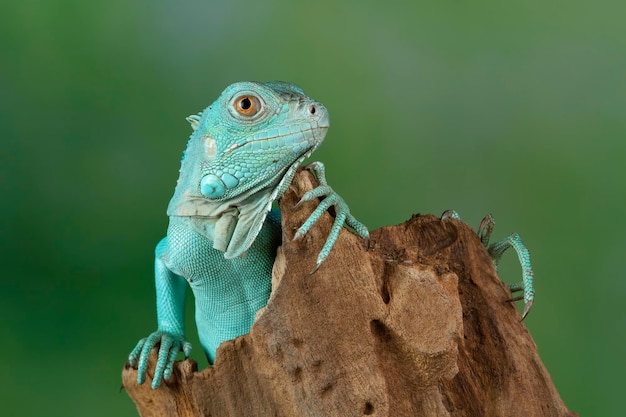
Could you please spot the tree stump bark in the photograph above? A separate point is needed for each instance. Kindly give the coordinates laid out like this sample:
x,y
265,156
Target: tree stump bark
x,y
416,324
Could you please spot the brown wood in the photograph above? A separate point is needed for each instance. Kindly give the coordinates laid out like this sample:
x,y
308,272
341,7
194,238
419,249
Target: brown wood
x,y
416,325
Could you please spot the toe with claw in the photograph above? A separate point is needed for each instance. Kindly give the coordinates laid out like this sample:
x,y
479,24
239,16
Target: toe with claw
x,y
330,199
169,345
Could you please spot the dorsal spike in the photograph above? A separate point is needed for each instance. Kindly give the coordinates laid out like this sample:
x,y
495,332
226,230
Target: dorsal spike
x,y
194,120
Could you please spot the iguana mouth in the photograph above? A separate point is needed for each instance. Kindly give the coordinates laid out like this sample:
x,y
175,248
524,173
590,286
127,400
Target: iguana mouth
x,y
284,137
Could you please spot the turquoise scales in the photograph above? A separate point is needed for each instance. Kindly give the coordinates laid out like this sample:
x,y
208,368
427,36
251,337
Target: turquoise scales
x,y
241,157
223,233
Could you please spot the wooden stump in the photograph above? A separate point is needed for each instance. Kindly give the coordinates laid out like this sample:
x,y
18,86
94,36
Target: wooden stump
x,y
418,324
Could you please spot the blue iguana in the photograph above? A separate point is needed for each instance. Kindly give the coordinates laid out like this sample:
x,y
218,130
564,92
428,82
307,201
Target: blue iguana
x,y
223,233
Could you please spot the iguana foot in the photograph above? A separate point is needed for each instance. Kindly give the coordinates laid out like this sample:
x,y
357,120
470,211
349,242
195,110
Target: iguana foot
x,y
331,199
497,249
169,347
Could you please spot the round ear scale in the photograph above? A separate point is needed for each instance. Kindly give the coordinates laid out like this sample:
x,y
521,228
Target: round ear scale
x,y
211,186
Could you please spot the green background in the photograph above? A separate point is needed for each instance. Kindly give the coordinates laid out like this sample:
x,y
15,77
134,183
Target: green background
x,y
515,108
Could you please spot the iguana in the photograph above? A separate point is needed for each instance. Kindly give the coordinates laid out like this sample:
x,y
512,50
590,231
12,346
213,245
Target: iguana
x,y
223,233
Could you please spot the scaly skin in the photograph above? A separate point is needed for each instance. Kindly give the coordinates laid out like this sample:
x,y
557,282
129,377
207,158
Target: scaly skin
x,y
223,233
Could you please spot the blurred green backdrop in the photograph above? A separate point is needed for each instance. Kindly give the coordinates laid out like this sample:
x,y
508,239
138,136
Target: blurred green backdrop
x,y
514,108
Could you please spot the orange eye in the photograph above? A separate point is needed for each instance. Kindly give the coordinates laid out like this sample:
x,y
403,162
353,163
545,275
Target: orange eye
x,y
247,105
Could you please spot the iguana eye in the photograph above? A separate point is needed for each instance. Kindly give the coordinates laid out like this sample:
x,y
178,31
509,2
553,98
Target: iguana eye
x,y
247,105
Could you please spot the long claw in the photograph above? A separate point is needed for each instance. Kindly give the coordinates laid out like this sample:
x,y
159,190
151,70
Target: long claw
x,y
321,191
527,307
298,234
485,229
315,268
450,214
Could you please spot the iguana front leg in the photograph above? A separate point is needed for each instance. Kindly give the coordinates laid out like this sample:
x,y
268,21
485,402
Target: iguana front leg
x,y
331,199
497,249
170,334
241,157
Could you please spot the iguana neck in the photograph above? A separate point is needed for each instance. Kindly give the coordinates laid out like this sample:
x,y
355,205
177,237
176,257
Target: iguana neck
x,y
231,224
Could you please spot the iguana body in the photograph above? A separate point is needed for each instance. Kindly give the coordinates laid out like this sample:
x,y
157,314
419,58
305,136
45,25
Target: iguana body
x,y
223,233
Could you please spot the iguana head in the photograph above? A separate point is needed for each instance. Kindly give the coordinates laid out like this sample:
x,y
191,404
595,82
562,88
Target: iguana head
x,y
245,147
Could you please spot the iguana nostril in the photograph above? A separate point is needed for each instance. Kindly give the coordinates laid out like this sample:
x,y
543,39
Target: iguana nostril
x,y
312,110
